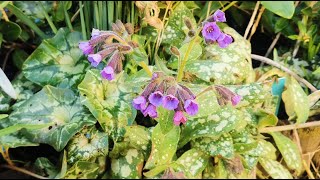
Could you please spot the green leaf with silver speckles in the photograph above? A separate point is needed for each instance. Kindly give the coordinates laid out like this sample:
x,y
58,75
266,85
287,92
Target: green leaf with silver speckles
x,y
164,146
139,138
222,146
57,61
165,119
289,151
87,144
176,30
274,169
269,151
33,9
295,100
128,166
214,125
61,107
208,172
109,101
82,170
191,163
231,65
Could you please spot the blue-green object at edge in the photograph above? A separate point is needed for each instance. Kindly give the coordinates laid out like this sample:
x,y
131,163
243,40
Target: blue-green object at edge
x,y
277,89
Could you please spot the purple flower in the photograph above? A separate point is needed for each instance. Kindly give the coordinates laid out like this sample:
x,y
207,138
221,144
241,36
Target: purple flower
x,y
224,40
170,102
107,73
236,99
139,103
86,48
95,33
211,31
94,59
219,16
191,107
151,111
179,118
155,98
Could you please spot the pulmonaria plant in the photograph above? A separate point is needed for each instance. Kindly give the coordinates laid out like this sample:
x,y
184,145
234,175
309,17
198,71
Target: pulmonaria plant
x,y
102,45
212,33
225,96
165,91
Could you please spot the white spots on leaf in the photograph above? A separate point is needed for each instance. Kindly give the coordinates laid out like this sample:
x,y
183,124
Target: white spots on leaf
x,y
221,125
125,171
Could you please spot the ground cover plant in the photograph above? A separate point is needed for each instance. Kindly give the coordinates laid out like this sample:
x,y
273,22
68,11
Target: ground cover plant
x,y
159,89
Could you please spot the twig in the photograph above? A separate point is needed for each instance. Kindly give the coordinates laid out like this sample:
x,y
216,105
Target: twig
x,y
283,68
254,27
289,127
251,20
315,169
229,5
76,14
274,42
6,59
24,171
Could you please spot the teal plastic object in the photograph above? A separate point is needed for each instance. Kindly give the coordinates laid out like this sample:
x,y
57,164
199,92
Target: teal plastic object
x,y
277,89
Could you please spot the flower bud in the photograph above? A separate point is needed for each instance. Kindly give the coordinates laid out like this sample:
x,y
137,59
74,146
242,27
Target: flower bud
x,y
174,50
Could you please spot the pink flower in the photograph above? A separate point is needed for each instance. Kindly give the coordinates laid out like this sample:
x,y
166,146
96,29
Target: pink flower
x,y
179,118
107,73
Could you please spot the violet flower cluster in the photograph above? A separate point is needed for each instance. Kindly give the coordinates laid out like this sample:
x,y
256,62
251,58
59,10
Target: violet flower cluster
x,y
212,33
102,41
164,91
225,95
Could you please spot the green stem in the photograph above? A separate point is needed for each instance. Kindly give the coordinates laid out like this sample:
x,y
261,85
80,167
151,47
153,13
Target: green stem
x,y
110,13
146,68
87,17
17,12
185,58
208,10
83,25
104,15
96,14
52,26
67,18
100,13
229,5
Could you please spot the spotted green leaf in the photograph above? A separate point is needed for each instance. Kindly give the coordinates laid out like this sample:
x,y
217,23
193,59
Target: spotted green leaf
x,y
61,108
295,100
57,61
164,146
109,101
82,170
32,8
139,138
191,163
269,151
243,141
222,146
44,167
274,169
231,65
289,151
252,94
213,125
176,30
208,103
165,119
87,144
128,166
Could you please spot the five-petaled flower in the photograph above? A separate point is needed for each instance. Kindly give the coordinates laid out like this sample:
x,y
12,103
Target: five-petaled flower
x,y
212,33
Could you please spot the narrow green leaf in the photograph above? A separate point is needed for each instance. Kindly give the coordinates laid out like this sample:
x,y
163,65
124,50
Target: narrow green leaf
x,y
164,146
289,151
275,169
295,100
